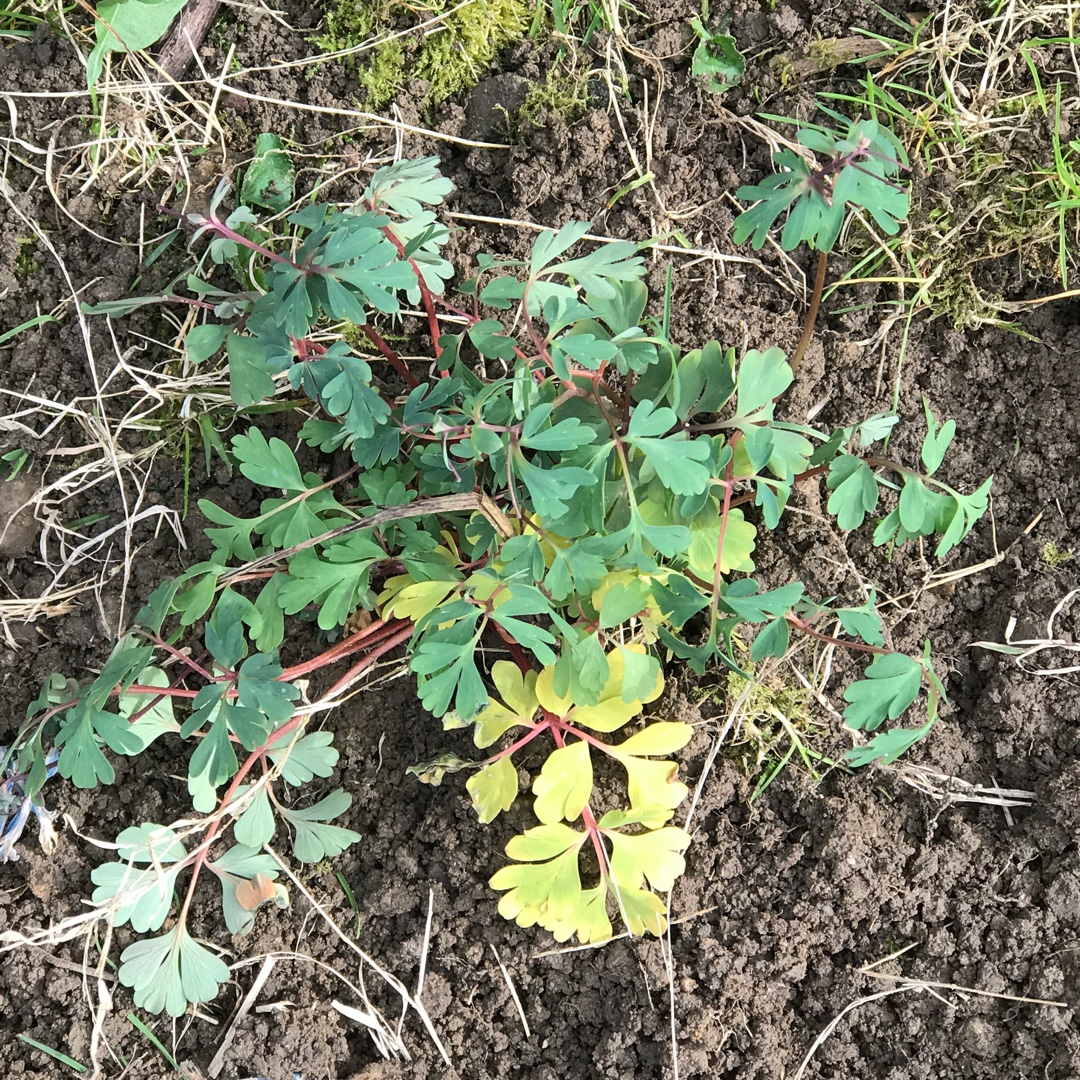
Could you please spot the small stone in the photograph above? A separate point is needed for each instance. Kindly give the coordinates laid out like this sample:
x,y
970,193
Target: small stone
x,y
18,527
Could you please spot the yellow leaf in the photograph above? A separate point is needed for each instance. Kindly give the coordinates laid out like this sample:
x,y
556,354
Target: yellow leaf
x,y
545,694
662,738
493,789
653,783
588,919
542,892
738,544
517,707
517,691
656,856
404,598
642,911
564,785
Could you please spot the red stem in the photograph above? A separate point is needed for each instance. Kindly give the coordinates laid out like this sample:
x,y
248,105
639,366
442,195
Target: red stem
x,y
350,676
429,307
345,647
857,646
257,755
513,748
425,295
215,826
395,361
178,655
230,234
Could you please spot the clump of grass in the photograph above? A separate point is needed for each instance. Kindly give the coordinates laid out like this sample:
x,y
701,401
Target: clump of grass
x,y
774,723
1010,197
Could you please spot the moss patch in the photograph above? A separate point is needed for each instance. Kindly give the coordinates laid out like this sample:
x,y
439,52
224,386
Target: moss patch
x,y
451,58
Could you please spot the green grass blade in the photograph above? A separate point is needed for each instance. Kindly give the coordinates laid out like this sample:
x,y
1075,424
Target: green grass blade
x,y
157,1043
71,1063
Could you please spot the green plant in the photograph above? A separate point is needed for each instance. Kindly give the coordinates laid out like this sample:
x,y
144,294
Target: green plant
x,y
17,460
563,92
717,59
859,166
570,488
127,25
1007,198
1055,556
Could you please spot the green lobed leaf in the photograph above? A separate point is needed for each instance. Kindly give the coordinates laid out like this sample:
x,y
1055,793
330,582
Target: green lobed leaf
x,y
716,59
247,883
270,178
863,622
255,826
249,380
446,666
891,684
886,746
268,463
142,897
81,760
854,491
762,377
679,461
313,839
212,763
305,758
170,972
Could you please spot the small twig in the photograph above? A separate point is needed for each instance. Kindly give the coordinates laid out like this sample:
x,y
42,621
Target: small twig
x,y
513,991
188,32
71,965
426,946
218,1061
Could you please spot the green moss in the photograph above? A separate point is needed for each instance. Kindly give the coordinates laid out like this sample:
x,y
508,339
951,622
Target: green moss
x,y
829,53
784,70
451,60
1016,105
775,725
562,92
25,263
1055,556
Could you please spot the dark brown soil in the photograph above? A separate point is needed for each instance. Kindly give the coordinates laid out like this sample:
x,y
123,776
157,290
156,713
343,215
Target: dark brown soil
x,y
783,900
